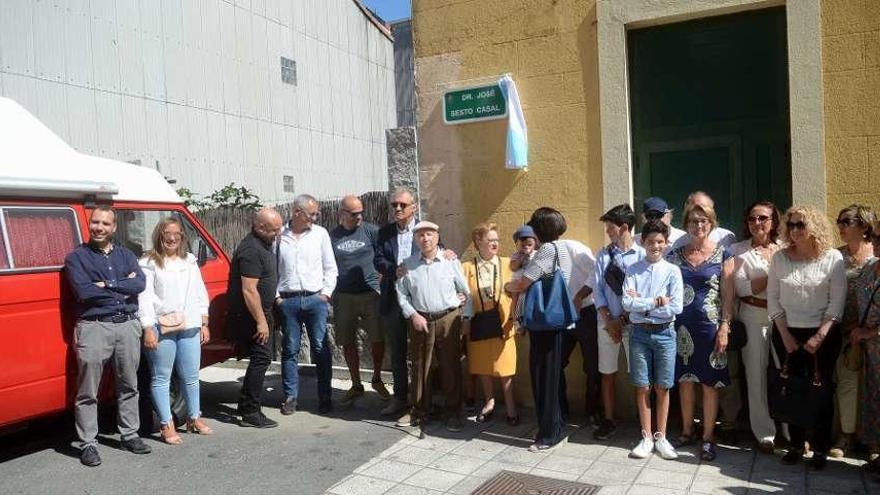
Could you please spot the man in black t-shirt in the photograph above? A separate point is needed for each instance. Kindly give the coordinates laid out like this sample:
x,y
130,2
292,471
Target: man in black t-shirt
x,y
252,283
356,298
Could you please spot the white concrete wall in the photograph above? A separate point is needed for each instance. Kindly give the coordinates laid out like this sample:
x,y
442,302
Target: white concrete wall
x,y
196,85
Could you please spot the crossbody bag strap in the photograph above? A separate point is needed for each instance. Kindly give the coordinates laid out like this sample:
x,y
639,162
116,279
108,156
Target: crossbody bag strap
x,y
494,285
555,257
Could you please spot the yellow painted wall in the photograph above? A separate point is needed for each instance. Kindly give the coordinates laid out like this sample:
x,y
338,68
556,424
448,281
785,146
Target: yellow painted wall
x,y
549,47
851,77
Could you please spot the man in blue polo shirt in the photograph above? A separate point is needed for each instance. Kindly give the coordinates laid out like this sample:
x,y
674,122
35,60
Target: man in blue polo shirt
x,y
106,281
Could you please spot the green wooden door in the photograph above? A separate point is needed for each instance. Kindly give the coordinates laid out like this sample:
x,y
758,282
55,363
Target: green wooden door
x,y
709,109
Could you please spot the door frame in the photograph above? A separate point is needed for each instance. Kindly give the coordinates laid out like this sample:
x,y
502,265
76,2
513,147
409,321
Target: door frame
x,y
806,99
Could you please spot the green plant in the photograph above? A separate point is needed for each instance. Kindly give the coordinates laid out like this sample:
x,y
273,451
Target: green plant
x,y
229,196
191,200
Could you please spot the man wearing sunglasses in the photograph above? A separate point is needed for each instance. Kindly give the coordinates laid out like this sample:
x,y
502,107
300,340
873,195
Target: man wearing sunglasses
x,y
655,208
306,281
356,299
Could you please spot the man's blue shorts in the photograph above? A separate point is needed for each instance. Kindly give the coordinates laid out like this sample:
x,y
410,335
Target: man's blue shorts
x,y
652,356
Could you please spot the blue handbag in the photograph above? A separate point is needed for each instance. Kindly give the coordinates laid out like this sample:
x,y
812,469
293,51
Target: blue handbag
x,y
547,305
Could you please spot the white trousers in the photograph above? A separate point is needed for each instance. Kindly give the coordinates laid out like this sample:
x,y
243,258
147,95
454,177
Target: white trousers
x,y
756,356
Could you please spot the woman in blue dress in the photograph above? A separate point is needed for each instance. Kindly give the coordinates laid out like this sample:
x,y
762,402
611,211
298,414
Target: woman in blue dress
x,y
703,326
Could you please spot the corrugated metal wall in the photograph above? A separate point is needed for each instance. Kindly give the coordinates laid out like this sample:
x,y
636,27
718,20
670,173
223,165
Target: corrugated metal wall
x,y
404,73
195,85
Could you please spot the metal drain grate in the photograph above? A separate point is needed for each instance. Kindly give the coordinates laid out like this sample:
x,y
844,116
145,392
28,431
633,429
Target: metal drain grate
x,y
509,483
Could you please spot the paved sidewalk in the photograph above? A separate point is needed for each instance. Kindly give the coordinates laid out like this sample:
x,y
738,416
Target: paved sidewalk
x,y
458,463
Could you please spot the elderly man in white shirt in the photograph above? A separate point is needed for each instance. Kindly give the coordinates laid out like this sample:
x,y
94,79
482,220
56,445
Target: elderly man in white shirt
x,y
306,280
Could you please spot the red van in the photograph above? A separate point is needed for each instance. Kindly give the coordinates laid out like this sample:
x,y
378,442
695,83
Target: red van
x,y
47,192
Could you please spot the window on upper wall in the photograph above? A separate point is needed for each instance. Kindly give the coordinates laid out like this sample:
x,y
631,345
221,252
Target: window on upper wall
x,y
288,184
36,238
288,71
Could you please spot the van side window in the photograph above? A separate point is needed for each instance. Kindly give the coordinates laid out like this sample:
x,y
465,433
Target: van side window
x,y
134,230
34,238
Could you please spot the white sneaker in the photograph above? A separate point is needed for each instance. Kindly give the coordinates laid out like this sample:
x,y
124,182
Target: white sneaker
x,y
644,448
663,447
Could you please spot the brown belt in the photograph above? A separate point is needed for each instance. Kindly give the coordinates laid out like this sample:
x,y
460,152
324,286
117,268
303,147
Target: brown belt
x,y
436,316
754,301
652,326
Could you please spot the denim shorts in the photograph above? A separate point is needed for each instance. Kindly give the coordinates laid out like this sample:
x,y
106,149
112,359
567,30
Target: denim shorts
x,y
652,357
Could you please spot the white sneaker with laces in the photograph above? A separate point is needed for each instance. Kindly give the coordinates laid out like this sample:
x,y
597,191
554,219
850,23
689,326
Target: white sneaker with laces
x,y
644,448
663,447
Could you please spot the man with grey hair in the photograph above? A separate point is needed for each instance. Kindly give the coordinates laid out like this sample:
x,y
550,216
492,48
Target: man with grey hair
x,y
306,281
252,283
356,299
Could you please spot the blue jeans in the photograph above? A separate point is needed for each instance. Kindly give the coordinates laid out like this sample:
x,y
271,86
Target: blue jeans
x,y
181,350
652,356
310,311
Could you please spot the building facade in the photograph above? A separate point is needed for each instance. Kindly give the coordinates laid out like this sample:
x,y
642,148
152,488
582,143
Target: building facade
x,y
626,99
283,97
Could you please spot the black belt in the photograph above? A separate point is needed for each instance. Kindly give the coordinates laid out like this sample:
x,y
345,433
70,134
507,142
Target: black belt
x,y
296,293
436,316
653,327
117,318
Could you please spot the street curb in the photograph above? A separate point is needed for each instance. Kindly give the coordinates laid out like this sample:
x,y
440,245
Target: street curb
x,y
339,372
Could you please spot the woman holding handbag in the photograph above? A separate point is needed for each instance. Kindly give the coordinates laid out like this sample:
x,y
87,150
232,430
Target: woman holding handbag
x,y
867,333
551,265
855,226
489,331
806,290
751,264
173,309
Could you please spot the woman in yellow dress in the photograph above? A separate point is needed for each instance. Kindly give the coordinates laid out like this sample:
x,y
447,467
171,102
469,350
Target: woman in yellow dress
x,y
490,332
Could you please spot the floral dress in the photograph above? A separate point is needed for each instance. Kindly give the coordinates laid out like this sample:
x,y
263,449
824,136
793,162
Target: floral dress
x,y
869,300
696,360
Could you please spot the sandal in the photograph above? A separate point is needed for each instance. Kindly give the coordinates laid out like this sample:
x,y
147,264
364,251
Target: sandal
x,y
513,420
169,434
684,440
708,451
196,425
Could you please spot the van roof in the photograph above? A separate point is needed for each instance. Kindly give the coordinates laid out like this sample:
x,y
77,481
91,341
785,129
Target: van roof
x,y
35,162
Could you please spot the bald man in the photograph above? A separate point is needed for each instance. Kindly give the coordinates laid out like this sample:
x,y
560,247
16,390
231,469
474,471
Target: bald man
x,y
356,298
252,284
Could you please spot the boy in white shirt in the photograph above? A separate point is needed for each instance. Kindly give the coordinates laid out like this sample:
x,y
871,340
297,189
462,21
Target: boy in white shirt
x,y
652,294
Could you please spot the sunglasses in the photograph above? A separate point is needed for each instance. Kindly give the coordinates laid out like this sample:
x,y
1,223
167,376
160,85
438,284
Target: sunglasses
x,y
699,221
796,225
654,215
758,218
397,204
848,222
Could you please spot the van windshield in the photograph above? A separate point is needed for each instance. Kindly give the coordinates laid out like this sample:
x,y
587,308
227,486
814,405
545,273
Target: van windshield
x,y
134,230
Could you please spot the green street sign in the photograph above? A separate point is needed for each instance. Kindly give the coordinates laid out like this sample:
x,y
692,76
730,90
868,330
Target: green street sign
x,y
465,105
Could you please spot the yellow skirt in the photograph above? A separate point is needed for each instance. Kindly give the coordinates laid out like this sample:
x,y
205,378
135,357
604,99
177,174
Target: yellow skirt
x,y
493,357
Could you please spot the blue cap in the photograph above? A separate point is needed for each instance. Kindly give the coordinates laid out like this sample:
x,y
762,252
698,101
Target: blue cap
x,y
654,204
524,232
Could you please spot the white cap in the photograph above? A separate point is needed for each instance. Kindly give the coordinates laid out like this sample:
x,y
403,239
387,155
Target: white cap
x,y
424,224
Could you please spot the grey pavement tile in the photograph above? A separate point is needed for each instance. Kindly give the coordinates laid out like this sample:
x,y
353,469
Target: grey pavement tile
x,y
565,464
653,490
719,485
613,489
492,468
440,444
686,463
392,449
777,486
621,455
434,479
546,473
610,473
581,450
361,485
664,479
480,448
467,485
519,455
411,490
457,463
839,482
720,470
390,470
415,455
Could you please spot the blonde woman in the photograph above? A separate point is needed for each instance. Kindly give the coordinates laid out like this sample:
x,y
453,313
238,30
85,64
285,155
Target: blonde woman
x,y
806,290
490,356
173,310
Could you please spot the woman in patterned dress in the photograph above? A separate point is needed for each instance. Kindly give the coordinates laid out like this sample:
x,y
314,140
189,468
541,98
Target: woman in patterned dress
x,y
867,288
703,326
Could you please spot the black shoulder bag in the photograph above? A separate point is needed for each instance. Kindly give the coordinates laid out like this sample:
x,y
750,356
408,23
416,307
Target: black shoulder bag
x,y
486,324
614,275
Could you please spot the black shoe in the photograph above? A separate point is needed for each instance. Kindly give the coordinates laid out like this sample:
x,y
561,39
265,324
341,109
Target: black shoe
x,y
136,446
89,456
325,406
606,430
792,457
289,406
819,461
257,420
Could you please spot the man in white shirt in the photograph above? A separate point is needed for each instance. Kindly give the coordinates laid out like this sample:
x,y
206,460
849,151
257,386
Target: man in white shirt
x,y
720,235
655,208
306,280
